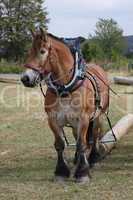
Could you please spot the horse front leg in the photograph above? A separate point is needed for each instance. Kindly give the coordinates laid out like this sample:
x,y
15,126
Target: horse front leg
x,y
82,151
62,171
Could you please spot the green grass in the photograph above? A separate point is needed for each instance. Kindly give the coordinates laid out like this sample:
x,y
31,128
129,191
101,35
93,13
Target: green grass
x,y
28,158
11,67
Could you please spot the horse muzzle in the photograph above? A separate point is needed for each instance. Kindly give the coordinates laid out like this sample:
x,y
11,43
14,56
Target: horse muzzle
x,y
31,78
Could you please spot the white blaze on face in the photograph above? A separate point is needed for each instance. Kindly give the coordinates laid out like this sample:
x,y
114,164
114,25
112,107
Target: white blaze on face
x,y
43,54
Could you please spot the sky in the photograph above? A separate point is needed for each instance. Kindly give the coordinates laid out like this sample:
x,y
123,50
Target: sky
x,y
71,18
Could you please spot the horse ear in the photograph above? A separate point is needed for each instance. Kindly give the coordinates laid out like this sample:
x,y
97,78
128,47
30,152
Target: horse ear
x,y
32,33
43,34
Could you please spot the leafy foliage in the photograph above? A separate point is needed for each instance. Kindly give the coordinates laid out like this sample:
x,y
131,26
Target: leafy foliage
x,y
107,43
92,50
17,17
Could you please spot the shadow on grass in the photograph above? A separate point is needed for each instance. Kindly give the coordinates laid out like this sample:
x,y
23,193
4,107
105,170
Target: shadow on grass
x,y
119,160
36,168
28,169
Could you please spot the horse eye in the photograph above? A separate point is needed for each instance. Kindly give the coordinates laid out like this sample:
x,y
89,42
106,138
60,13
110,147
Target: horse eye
x,y
42,51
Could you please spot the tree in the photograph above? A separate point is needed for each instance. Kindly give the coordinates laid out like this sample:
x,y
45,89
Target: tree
x,y
17,17
92,51
110,37
107,43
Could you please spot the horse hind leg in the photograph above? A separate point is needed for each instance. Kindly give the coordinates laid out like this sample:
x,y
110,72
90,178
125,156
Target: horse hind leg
x,y
74,131
93,136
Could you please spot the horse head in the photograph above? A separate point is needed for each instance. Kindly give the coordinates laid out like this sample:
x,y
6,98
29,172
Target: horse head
x,y
37,59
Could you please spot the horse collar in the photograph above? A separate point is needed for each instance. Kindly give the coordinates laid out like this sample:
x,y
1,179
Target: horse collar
x,y
78,71
76,81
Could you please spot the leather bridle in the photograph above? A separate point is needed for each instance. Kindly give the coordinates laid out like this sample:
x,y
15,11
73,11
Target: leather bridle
x,y
41,71
79,79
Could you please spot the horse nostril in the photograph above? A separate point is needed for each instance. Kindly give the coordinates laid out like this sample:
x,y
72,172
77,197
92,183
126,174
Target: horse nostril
x,y
25,79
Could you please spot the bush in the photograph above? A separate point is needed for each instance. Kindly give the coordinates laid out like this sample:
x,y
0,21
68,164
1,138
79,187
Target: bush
x,y
6,67
121,64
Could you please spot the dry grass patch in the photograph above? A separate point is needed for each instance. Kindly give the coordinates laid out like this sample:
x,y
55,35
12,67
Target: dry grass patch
x,y
28,159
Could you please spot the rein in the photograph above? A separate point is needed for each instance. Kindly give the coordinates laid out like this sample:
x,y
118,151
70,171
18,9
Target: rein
x,y
44,95
98,76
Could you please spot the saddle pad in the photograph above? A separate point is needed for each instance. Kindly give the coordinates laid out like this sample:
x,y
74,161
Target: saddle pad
x,y
73,44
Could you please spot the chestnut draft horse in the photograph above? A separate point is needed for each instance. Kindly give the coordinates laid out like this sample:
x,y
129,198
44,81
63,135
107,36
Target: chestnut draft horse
x,y
52,60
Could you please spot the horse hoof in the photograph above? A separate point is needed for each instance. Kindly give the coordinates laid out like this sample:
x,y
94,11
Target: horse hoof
x,y
83,180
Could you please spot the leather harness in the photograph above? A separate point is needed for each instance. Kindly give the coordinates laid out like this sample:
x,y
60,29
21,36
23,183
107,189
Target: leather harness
x,y
79,75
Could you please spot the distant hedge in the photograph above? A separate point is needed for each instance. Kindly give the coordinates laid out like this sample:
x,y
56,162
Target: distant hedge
x,y
6,67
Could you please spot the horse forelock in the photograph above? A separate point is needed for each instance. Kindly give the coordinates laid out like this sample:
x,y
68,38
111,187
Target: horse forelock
x,y
37,41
